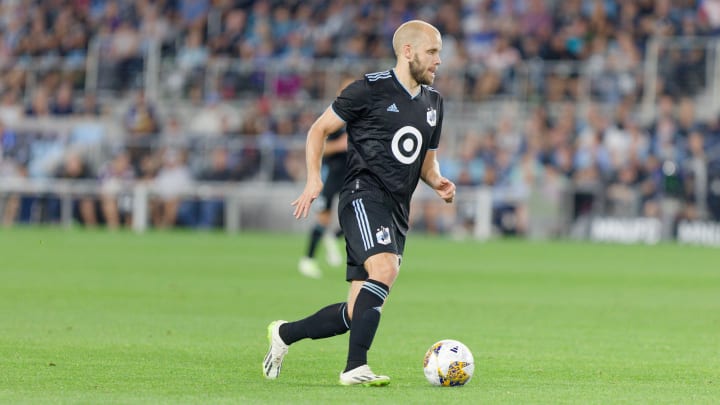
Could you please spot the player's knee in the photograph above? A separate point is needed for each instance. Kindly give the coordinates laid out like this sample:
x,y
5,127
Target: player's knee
x,y
386,276
383,268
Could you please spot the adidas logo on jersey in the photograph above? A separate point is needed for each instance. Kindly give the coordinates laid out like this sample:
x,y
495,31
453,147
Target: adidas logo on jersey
x,y
393,108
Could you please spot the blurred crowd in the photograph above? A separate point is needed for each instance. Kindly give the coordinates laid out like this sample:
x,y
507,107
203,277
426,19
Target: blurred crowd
x,y
611,163
269,57
492,36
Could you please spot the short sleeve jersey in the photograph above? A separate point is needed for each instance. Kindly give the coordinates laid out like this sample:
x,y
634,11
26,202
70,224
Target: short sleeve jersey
x,y
389,134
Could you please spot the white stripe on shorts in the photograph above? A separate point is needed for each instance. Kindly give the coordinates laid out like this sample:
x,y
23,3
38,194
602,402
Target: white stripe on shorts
x,y
363,223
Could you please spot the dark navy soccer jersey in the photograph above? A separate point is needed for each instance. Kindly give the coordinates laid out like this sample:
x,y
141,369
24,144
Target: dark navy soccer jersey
x,y
389,134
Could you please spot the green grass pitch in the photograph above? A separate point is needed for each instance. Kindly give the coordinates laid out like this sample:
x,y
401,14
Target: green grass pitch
x,y
179,317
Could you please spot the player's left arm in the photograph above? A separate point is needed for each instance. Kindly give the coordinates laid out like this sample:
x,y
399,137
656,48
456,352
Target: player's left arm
x,y
430,174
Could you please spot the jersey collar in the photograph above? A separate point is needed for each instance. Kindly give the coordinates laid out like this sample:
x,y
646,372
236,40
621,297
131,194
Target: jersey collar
x,y
405,88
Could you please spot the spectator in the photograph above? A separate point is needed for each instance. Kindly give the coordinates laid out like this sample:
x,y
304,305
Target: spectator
x,y
193,13
40,104
507,136
665,140
639,142
536,21
154,26
62,105
90,106
651,184
193,55
173,180
288,162
246,163
74,167
211,208
11,171
213,119
5,51
108,15
115,197
142,125
480,28
499,64
686,118
695,168
622,194
467,169
11,110
709,16
282,24
14,33
226,42
37,41
125,54
174,135
72,38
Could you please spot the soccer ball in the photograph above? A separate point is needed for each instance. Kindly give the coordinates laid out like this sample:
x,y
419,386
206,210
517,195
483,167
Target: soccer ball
x,y
448,363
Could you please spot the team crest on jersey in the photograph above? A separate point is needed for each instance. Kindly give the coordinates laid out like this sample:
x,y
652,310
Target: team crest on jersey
x,y
431,117
383,235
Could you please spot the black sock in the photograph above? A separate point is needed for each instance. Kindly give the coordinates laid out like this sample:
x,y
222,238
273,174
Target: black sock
x,y
366,318
327,322
315,237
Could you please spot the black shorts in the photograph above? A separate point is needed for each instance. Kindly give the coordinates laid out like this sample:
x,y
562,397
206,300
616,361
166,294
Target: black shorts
x,y
331,188
367,222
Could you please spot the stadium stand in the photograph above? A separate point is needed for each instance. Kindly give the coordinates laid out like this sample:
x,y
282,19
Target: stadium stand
x,y
563,110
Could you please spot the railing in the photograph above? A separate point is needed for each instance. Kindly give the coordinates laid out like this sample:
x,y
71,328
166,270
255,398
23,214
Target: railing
x,y
476,212
261,205
68,190
47,140
666,58
61,135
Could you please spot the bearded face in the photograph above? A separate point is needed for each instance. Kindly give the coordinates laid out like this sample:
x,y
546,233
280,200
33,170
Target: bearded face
x,y
420,73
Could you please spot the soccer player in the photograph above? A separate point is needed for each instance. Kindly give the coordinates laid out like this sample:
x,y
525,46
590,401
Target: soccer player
x,y
393,120
334,161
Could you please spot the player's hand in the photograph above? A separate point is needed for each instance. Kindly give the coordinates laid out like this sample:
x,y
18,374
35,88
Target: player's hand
x,y
302,203
445,189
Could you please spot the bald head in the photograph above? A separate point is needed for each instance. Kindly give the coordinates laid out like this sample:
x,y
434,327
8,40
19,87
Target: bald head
x,y
413,33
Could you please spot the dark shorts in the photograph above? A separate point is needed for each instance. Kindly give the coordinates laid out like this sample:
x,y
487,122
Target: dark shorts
x,y
331,188
369,229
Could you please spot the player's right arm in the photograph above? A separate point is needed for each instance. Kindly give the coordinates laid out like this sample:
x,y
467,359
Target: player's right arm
x,y
336,145
325,125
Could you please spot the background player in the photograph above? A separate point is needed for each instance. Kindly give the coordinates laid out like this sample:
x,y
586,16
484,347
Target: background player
x,y
394,122
334,163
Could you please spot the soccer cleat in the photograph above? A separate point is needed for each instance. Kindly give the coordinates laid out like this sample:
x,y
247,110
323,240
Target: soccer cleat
x,y
308,267
332,252
276,353
363,376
